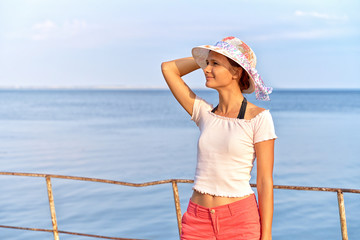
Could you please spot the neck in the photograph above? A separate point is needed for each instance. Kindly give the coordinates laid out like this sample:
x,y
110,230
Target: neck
x,y
229,100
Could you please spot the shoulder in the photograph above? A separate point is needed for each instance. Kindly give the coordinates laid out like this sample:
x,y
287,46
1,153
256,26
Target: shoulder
x,y
252,111
263,124
201,103
199,109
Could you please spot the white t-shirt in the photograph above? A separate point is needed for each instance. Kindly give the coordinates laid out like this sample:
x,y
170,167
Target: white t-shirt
x,y
226,151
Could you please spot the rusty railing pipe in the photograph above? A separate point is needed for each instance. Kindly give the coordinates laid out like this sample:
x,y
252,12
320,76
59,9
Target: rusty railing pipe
x,y
174,182
177,205
341,203
52,208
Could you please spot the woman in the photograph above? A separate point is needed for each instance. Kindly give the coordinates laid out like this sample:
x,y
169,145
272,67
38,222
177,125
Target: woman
x,y
223,205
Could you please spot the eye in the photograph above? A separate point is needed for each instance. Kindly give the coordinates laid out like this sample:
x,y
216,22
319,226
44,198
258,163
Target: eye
x,y
211,62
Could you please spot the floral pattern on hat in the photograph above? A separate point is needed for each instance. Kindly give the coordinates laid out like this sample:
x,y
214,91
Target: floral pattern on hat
x,y
242,54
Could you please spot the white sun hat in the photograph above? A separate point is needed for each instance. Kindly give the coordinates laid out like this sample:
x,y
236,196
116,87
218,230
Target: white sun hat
x,y
243,55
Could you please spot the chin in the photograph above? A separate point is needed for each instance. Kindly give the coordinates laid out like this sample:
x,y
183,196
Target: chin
x,y
212,86
209,85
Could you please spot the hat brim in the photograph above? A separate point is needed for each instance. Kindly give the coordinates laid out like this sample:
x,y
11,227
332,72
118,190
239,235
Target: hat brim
x,y
201,53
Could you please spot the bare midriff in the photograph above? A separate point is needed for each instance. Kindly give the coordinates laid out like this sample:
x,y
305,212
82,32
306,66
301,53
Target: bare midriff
x,y
209,201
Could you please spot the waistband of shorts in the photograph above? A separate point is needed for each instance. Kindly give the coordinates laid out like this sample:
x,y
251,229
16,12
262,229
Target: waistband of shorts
x,y
226,210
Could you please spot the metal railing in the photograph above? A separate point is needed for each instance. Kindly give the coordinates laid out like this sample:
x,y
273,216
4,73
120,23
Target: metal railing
x,y
174,183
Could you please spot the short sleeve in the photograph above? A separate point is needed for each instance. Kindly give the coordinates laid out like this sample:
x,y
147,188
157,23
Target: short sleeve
x,y
264,127
199,107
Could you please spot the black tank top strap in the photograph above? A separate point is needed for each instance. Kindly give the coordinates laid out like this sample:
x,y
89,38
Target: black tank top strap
x,y
213,111
242,109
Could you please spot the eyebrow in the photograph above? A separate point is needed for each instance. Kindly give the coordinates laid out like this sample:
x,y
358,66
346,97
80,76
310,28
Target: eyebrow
x,y
211,59
214,60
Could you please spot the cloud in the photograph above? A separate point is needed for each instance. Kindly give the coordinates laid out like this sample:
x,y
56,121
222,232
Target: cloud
x,y
49,30
324,16
304,35
44,26
74,27
43,30
79,33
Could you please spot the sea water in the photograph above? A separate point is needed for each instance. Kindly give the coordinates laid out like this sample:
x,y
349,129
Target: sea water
x,y
145,135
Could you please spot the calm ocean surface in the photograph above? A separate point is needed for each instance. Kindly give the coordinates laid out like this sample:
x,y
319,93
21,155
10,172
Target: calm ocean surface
x,y
144,135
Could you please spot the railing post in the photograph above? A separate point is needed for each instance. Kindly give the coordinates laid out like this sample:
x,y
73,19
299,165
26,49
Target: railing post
x,y
177,204
52,208
342,214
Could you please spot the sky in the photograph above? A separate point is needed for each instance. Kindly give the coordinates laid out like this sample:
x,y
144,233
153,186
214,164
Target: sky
x,y
121,43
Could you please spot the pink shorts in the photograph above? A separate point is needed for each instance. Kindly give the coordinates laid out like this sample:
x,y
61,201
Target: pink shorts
x,y
235,221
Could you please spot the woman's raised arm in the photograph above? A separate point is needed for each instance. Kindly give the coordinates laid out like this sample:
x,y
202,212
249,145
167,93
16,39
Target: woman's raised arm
x,y
173,71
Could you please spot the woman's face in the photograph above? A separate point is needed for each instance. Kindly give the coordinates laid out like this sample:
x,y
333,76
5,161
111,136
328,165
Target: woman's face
x,y
219,72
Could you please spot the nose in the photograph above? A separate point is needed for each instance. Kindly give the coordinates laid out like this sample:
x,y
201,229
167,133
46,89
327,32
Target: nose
x,y
207,69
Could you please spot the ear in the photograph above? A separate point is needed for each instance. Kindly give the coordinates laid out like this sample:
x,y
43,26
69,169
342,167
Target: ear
x,y
238,71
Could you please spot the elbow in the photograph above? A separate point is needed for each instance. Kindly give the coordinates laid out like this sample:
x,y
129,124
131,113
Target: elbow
x,y
165,66
169,69
264,184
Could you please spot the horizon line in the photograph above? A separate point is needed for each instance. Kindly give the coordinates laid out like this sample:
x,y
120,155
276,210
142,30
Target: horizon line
x,y
145,88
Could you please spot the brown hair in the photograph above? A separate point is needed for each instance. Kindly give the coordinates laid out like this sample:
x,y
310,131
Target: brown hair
x,y
244,82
